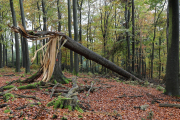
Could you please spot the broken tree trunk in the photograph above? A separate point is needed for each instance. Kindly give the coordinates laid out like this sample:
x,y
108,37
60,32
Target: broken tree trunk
x,y
76,47
80,49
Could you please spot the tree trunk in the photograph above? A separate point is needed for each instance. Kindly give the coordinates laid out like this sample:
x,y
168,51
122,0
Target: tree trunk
x,y
152,54
172,66
76,63
16,38
70,35
25,43
1,45
127,14
44,18
80,49
12,50
1,65
57,74
80,32
133,35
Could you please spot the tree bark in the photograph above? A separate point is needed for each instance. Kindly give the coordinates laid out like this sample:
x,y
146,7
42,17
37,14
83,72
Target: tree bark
x,y
172,66
0,44
16,38
76,61
25,43
44,17
70,35
80,49
57,74
133,36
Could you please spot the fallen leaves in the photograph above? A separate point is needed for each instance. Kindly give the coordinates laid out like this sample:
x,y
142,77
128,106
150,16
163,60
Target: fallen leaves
x,y
115,102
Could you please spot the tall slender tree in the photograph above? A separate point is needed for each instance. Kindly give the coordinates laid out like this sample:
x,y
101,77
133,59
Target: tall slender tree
x,y
25,43
133,37
172,66
16,37
76,65
0,41
70,35
44,17
80,29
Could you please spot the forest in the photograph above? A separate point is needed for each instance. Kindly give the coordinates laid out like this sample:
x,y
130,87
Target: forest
x,y
89,59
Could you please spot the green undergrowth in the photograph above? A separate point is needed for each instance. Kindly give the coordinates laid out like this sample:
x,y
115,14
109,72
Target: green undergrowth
x,y
63,103
8,87
8,96
30,86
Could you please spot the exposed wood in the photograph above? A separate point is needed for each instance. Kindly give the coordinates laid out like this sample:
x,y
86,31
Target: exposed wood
x,y
53,89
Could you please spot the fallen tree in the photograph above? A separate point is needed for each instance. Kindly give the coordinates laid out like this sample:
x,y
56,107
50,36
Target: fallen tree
x,y
48,63
72,45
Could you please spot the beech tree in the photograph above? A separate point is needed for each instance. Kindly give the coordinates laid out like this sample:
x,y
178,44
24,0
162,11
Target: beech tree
x,y
25,44
172,67
16,38
76,61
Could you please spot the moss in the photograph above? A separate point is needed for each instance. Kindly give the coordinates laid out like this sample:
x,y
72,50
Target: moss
x,y
7,96
80,116
54,116
7,82
57,104
8,87
55,82
51,103
7,111
29,86
33,75
68,107
79,109
63,118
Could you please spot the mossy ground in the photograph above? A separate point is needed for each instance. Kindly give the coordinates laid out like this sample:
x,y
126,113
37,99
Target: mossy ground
x,y
62,102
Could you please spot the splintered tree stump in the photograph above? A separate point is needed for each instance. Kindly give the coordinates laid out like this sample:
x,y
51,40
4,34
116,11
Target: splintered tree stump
x,y
63,102
70,101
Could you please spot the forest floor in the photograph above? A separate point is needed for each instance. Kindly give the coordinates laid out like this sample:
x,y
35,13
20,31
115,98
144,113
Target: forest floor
x,y
113,99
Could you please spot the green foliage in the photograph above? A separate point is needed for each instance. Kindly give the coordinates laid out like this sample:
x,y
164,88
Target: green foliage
x,y
54,116
8,87
55,82
23,75
146,83
79,109
7,82
29,86
150,115
7,96
39,103
63,118
160,88
7,111
80,116
35,66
